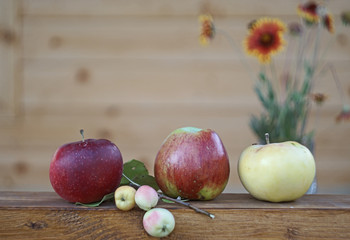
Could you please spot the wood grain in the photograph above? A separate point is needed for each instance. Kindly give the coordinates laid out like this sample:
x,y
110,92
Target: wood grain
x,y
41,215
132,72
155,37
166,7
10,37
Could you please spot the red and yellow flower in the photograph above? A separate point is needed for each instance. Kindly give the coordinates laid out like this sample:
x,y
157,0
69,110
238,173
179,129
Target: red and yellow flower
x,y
327,21
308,12
265,38
207,29
344,115
313,13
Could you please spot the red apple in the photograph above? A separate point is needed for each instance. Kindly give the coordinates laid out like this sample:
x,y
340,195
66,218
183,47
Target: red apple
x,y
87,170
192,163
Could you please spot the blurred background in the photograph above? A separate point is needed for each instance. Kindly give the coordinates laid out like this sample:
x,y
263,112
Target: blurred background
x,y
133,71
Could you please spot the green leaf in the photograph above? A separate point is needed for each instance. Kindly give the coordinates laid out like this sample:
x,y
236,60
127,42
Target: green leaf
x,y
146,180
106,197
132,169
138,173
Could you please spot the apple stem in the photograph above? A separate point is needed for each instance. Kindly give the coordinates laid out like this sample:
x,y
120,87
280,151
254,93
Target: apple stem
x,y
178,201
82,134
132,183
267,138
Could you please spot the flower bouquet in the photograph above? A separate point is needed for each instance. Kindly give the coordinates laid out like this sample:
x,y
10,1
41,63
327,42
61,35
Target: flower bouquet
x,y
286,95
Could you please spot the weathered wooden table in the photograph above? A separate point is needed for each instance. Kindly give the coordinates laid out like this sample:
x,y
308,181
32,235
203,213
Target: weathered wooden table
x,y
44,215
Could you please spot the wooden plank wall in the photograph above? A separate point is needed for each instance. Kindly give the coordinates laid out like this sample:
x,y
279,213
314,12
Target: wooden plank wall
x,y
133,71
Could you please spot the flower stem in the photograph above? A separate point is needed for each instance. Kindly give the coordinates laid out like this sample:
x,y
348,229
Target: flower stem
x,y
277,81
317,43
303,41
337,82
237,49
178,201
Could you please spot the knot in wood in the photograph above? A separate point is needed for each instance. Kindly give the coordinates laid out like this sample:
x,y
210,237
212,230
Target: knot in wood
x,y
36,225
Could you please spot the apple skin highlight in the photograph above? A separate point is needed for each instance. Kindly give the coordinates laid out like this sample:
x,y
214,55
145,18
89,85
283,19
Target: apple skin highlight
x,y
192,163
87,170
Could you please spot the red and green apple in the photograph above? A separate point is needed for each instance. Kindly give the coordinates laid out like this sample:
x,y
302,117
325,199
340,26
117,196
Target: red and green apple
x,y
192,163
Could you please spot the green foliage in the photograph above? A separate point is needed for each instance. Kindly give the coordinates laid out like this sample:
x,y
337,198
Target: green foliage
x,y
283,119
138,173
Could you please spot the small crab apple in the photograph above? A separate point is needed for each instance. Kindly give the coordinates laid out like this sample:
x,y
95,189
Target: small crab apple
x,y
124,198
146,197
158,222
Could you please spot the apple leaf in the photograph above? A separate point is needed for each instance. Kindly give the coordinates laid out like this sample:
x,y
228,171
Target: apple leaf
x,y
138,173
132,169
146,180
106,197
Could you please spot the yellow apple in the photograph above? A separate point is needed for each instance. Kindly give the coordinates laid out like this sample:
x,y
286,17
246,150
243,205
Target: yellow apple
x,y
277,172
124,198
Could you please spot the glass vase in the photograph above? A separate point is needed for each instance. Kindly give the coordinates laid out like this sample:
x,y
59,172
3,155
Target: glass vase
x,y
314,187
